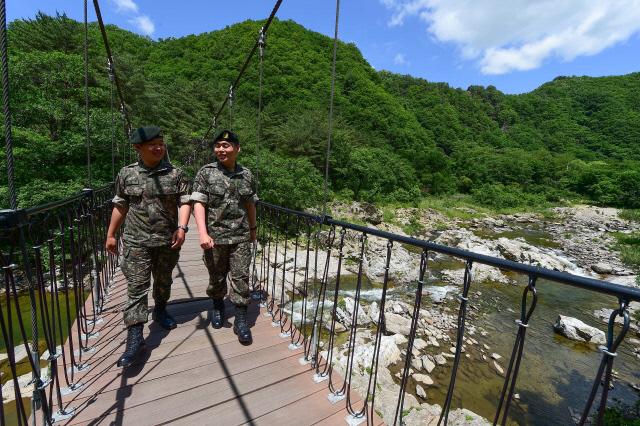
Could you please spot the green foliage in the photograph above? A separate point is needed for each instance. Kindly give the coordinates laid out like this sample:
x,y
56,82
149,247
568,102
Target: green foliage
x,y
629,247
290,182
395,138
414,227
501,196
622,415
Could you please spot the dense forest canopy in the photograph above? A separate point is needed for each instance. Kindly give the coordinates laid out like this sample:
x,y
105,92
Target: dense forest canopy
x,y
396,137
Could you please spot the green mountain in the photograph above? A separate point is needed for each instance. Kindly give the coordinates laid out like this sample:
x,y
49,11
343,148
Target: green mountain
x,y
396,138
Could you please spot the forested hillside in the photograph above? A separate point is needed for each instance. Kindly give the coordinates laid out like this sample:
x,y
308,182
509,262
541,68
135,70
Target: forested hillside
x,y
396,138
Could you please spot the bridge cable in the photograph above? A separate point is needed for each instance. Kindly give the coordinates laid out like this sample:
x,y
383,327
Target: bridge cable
x,y
113,124
261,46
333,85
231,98
235,84
13,202
105,39
87,141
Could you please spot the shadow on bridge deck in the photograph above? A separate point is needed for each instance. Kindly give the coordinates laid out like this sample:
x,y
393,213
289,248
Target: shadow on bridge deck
x,y
195,374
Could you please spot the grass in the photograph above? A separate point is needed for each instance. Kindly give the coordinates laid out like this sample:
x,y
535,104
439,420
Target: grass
x,y
630,214
629,247
414,227
464,207
388,214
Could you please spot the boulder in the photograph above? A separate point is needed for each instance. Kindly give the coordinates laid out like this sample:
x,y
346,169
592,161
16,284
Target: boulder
x,y
374,312
427,364
420,392
397,324
440,359
575,329
369,213
423,378
602,268
349,306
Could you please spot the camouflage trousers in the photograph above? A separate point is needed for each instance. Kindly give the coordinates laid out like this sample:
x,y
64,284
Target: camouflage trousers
x,y
138,265
233,260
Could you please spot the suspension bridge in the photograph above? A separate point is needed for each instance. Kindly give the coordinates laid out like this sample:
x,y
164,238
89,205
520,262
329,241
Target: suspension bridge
x,y
302,367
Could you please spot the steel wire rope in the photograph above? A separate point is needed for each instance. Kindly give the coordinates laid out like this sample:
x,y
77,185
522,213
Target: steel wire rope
x,y
331,99
261,46
87,140
236,82
113,124
105,39
13,202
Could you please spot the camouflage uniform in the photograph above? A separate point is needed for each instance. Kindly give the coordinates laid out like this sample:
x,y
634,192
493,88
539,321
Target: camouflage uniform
x,y
152,197
224,194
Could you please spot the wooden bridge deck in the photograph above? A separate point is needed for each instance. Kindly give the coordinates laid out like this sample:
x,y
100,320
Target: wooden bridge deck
x,y
195,374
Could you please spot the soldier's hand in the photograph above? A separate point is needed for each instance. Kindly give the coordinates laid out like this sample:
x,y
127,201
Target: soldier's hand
x,y
111,245
178,238
206,242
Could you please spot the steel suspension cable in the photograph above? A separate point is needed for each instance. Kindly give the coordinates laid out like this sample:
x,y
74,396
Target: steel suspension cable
x,y
13,202
333,87
261,46
86,92
242,70
105,39
113,126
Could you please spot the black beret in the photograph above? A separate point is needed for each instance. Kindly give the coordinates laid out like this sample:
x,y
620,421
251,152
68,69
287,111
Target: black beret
x,y
227,135
145,134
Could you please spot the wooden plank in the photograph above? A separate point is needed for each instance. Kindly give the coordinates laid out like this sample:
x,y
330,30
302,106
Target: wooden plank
x,y
308,410
167,385
194,374
155,369
196,340
212,399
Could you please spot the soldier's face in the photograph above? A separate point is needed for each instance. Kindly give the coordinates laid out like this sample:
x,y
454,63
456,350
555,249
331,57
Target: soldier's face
x,y
151,152
226,153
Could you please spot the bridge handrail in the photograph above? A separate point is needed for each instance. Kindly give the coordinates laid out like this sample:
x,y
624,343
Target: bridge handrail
x,y
601,286
282,279
56,252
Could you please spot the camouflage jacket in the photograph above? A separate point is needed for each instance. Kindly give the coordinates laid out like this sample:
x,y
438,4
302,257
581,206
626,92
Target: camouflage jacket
x,y
224,193
152,197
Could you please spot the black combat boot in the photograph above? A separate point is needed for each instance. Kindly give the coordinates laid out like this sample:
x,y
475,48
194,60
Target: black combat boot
x,y
162,317
217,314
135,345
240,326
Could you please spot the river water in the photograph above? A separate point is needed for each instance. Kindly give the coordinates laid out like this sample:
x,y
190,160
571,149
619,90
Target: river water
x,y
556,374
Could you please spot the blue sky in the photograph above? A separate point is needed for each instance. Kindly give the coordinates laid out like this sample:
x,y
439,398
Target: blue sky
x,y
515,45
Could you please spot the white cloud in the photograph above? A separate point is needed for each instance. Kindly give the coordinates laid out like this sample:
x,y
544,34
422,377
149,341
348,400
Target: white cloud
x,y
399,59
144,24
123,6
505,36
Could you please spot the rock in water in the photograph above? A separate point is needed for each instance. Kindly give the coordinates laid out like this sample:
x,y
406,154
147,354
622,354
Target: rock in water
x,y
575,329
602,268
420,392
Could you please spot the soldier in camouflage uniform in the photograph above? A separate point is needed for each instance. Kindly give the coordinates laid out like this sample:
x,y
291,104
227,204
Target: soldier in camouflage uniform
x,y
152,199
224,196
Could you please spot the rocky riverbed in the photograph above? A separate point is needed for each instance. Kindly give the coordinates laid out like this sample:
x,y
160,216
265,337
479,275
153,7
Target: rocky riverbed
x,y
576,240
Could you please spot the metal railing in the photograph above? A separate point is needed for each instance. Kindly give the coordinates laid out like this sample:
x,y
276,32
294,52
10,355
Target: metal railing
x,y
292,265
54,256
